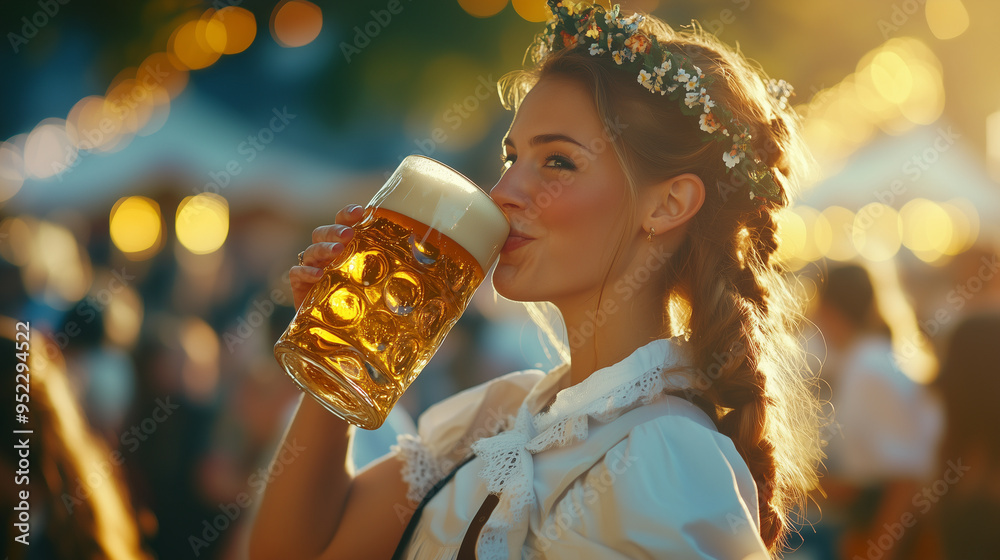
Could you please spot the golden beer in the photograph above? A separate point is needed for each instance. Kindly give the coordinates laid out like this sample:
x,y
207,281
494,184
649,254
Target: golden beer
x,y
381,310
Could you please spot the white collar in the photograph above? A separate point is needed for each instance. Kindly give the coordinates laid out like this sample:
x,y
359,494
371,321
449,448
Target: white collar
x,y
573,400
604,395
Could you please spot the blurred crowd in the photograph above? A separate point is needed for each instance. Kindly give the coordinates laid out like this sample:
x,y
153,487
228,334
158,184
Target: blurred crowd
x,y
156,403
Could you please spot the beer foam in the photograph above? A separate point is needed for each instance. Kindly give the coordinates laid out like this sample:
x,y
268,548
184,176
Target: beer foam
x,y
444,199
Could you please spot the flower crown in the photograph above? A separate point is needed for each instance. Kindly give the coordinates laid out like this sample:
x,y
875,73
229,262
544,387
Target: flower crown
x,y
661,71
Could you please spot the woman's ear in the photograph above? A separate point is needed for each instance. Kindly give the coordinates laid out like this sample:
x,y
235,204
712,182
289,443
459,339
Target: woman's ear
x,y
671,203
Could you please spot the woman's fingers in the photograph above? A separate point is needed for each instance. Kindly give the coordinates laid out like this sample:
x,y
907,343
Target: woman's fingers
x,y
333,233
302,278
320,254
349,215
328,243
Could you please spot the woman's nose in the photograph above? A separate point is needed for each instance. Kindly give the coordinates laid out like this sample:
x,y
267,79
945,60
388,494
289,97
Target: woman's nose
x,y
506,192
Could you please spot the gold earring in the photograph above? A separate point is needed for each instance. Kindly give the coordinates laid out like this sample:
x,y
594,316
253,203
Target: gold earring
x,y
650,236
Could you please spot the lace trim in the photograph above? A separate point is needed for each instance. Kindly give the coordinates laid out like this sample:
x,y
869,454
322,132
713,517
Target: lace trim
x,y
420,470
643,390
507,465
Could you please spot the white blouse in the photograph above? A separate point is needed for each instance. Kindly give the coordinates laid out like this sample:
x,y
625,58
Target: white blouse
x,y
613,469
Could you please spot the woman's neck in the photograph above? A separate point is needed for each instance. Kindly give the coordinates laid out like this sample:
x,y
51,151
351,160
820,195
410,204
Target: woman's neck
x,y
604,331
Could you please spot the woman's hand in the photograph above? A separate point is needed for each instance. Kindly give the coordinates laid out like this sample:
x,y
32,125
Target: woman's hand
x,y
328,243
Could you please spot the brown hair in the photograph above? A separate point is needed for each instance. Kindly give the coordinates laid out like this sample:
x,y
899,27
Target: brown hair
x,y
722,288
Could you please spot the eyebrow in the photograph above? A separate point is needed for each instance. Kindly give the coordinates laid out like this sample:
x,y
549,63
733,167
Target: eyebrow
x,y
545,139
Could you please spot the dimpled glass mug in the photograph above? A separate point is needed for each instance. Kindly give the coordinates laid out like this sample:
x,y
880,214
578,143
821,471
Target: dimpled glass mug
x,y
382,307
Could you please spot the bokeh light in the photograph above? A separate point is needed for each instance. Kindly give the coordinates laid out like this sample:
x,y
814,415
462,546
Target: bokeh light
x,y
946,19
123,317
965,225
295,23
877,232
531,10
11,167
91,125
895,87
136,226
198,43
54,267
927,228
202,223
48,150
482,8
163,69
891,76
240,28
791,233
833,233
17,233
200,373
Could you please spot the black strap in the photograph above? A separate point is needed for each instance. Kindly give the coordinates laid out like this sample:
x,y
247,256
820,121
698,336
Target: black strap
x,y
404,541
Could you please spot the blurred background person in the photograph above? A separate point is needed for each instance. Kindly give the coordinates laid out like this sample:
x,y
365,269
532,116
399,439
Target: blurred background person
x,y
969,461
884,426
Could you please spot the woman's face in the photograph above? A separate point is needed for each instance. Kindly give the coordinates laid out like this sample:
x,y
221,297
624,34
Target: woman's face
x,y
564,193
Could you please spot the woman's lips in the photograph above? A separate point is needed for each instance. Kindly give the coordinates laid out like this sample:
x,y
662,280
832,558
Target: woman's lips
x,y
515,241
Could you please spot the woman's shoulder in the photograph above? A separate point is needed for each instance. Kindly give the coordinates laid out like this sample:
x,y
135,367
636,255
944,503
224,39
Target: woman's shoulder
x,y
689,446
685,439
672,486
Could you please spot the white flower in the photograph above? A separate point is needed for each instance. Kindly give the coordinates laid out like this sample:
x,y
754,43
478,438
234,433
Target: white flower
x,y
692,84
662,69
631,23
682,76
646,79
708,123
732,158
617,55
691,98
596,49
706,100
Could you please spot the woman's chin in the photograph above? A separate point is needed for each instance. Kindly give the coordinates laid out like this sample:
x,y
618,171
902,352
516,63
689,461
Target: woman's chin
x,y
508,287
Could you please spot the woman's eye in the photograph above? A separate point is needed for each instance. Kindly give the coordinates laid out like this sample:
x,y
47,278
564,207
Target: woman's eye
x,y
560,161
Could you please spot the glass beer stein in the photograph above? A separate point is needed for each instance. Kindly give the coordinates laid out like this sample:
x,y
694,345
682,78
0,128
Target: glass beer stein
x,y
382,308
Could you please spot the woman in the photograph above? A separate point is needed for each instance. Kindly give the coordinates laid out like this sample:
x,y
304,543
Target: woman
x,y
641,181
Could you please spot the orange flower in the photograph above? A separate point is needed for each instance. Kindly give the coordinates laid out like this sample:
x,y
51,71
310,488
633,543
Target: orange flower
x,y
639,44
569,41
